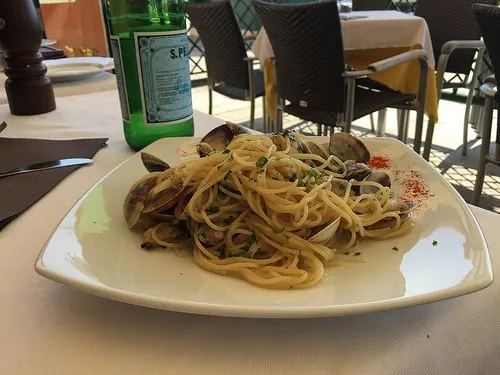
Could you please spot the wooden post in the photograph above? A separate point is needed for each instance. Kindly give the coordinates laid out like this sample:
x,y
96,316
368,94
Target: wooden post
x,y
29,90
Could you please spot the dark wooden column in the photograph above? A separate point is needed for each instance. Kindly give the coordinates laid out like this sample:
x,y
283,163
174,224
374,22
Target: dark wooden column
x,y
29,90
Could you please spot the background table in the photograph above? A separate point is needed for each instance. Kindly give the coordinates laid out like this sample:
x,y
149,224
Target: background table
x,y
374,37
48,328
101,82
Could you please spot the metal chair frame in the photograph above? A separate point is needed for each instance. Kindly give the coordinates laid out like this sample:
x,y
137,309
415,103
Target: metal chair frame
x,y
379,66
446,52
489,90
488,18
250,92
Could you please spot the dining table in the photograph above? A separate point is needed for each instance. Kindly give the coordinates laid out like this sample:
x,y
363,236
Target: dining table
x,y
100,82
370,36
50,328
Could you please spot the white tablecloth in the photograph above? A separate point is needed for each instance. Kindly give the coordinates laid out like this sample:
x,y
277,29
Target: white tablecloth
x,y
50,329
103,81
379,29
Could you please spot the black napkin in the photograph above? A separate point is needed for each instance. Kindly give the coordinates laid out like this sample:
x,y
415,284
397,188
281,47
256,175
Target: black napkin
x,y
19,192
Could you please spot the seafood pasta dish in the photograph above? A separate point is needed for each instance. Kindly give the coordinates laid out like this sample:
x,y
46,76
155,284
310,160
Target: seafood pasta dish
x,y
272,209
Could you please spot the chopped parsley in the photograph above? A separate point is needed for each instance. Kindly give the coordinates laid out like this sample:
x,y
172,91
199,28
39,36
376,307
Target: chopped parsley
x,y
261,162
213,208
243,253
395,248
253,238
228,188
222,253
434,243
313,172
226,151
300,183
288,134
245,249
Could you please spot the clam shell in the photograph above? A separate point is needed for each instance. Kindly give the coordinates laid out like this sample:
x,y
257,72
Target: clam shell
x,y
165,195
347,147
378,176
220,136
136,198
152,163
327,233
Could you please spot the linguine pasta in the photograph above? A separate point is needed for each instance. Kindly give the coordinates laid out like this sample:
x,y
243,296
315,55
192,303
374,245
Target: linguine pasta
x,y
263,211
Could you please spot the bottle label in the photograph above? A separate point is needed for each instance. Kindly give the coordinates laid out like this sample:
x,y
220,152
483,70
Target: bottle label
x,y
120,77
164,77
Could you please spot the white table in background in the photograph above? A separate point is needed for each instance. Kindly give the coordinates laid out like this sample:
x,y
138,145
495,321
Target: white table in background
x,y
48,328
101,82
373,29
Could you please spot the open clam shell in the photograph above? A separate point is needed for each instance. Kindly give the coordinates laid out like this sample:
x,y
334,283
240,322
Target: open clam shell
x,y
378,176
327,233
137,196
219,137
347,147
402,209
165,195
356,171
152,163
163,235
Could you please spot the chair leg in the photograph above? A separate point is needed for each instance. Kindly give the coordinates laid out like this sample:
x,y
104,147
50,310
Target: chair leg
x,y
428,140
468,106
485,149
251,92
381,122
470,97
401,124
372,122
406,125
264,114
349,107
279,116
252,112
209,99
417,142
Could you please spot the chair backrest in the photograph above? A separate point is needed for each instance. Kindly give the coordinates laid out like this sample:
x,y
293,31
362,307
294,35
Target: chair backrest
x,y
222,40
451,20
309,53
488,18
360,5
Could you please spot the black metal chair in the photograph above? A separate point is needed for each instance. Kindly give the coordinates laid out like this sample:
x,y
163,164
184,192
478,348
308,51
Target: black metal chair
x,y
368,5
488,18
312,81
230,71
361,5
455,41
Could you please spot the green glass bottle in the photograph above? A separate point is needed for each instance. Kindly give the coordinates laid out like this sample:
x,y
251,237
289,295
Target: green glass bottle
x,y
150,49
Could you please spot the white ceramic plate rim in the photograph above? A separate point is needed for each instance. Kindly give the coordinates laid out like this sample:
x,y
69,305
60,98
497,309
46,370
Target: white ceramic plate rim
x,y
48,42
273,311
54,66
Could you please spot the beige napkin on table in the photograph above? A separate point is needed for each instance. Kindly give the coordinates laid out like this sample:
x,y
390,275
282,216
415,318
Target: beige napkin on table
x,y
19,192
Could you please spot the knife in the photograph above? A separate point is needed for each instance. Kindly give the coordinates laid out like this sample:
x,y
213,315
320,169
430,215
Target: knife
x,y
46,165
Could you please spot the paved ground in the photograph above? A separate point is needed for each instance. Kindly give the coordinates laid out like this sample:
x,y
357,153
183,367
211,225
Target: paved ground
x,y
446,155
